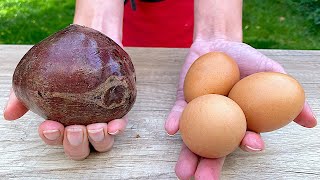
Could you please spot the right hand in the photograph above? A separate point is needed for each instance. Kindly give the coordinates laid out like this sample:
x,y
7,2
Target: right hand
x,y
76,138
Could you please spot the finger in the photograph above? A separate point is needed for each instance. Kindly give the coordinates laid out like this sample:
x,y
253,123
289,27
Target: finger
x,y
172,122
75,142
51,132
209,169
117,126
306,118
252,142
14,108
99,137
187,163
272,66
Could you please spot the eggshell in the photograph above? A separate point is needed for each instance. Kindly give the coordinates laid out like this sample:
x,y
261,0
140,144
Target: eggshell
x,y
211,73
212,126
269,100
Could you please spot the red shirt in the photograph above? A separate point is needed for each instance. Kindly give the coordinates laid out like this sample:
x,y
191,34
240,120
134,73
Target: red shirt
x,y
167,23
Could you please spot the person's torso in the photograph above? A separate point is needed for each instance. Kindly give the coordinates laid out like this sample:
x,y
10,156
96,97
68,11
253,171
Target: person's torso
x,y
167,23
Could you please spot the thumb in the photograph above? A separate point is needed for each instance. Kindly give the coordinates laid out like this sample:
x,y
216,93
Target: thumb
x,y
172,122
14,108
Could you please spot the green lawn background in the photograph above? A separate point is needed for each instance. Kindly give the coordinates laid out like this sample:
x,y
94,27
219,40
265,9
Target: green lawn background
x,y
276,24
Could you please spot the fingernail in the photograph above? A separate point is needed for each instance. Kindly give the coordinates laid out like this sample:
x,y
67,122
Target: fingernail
x,y
52,134
114,133
171,135
96,134
75,136
251,149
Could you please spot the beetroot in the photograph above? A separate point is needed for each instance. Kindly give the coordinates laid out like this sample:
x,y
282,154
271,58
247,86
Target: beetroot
x,y
76,76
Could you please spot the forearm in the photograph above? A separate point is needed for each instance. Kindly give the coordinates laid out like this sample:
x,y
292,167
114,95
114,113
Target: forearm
x,y
215,19
105,16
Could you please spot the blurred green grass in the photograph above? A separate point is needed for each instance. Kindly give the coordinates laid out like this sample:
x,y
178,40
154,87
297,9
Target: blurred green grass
x,y
29,21
280,24
277,24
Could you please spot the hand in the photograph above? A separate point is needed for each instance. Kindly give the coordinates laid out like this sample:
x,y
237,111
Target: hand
x,y
249,61
75,138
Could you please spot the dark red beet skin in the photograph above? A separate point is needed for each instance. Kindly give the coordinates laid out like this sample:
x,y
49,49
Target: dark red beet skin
x,y
76,76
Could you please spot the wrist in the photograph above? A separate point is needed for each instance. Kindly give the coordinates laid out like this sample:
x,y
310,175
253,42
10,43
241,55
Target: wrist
x,y
105,16
218,20
217,35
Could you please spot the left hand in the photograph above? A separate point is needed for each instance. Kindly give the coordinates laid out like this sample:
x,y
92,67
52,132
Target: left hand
x,y
249,61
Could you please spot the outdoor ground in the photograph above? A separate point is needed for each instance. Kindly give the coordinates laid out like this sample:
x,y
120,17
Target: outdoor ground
x,y
277,24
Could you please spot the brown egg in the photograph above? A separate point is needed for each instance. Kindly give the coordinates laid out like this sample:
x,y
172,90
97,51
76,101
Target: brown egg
x,y
211,73
269,100
212,126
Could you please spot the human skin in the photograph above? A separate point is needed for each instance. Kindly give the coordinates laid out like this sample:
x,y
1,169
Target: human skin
x,y
105,16
218,27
